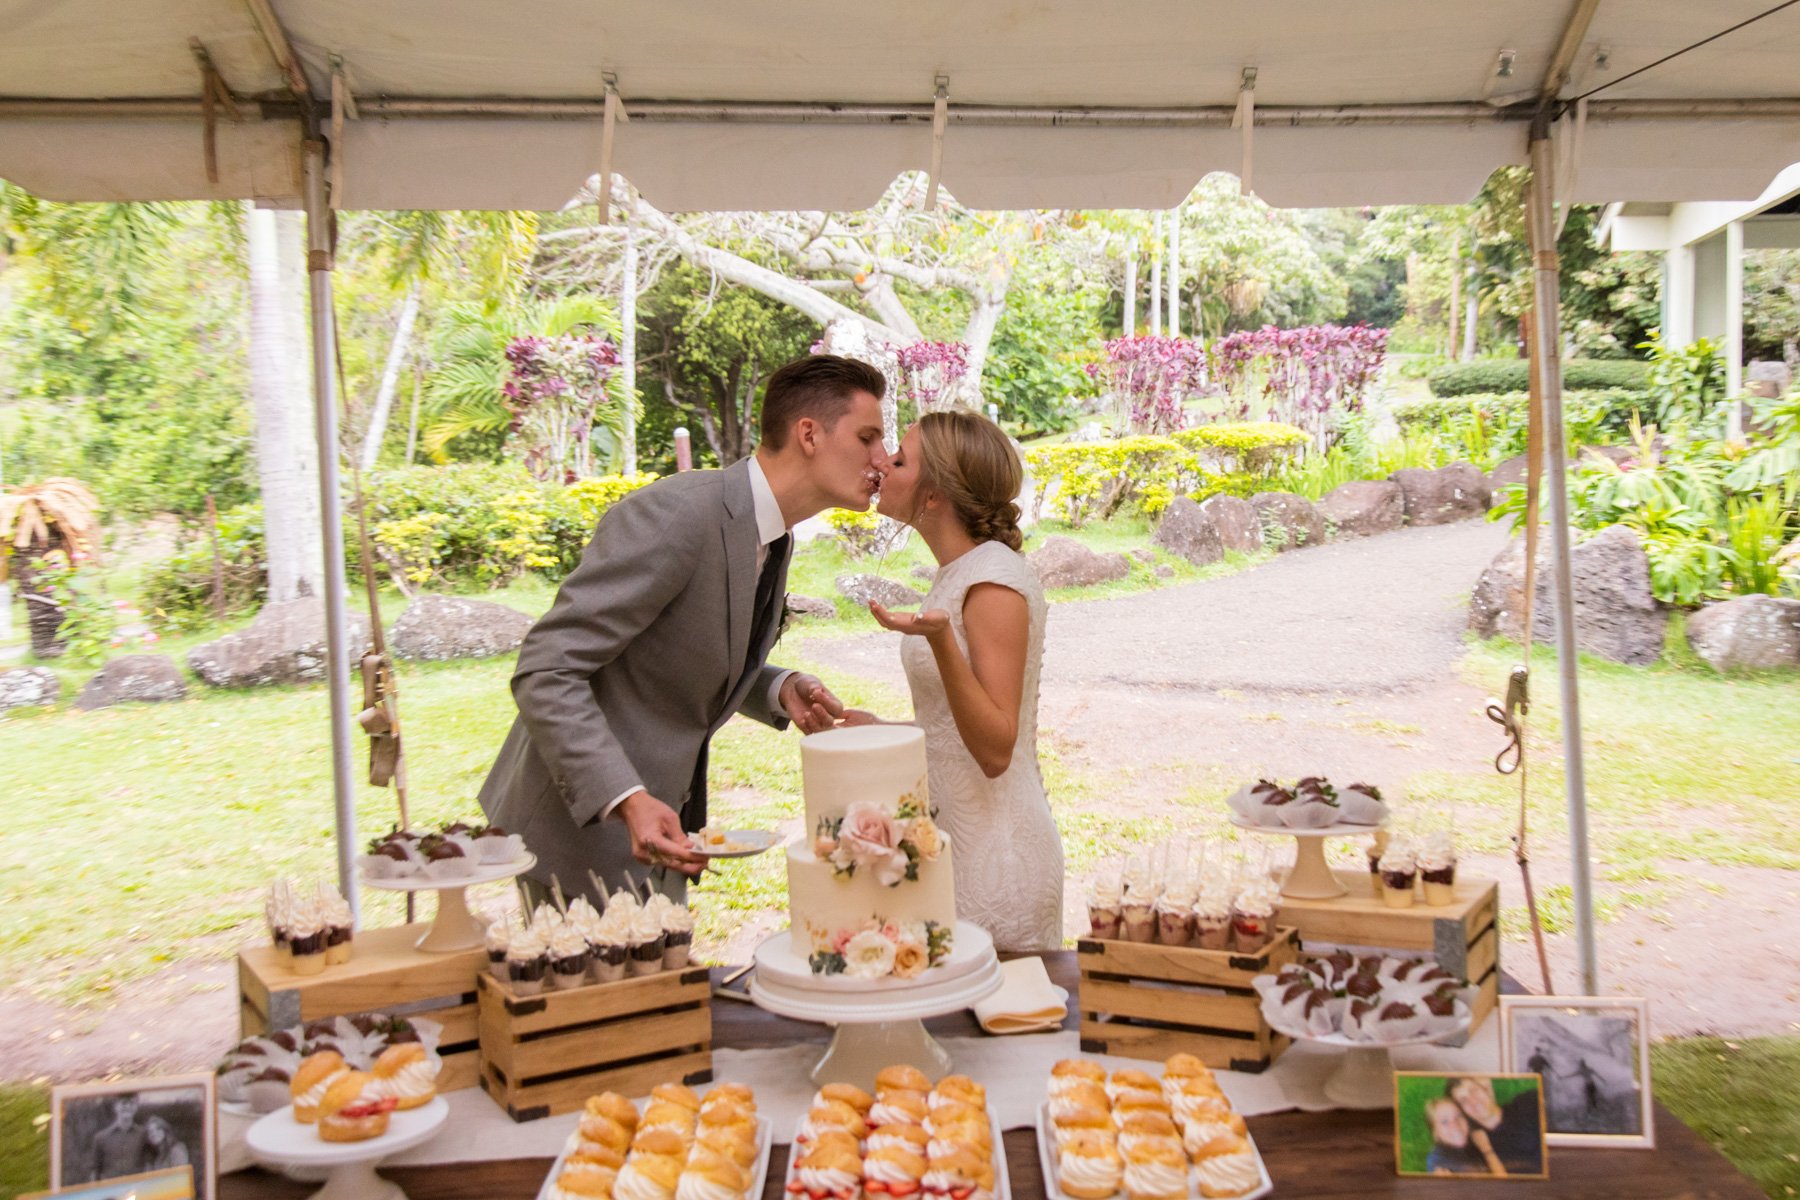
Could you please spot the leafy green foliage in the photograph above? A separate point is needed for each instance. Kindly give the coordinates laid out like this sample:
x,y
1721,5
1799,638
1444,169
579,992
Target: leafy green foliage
x,y
1487,429
1687,381
452,526
1034,367
1514,375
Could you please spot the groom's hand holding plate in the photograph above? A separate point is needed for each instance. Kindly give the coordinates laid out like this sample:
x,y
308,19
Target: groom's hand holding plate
x,y
809,703
657,839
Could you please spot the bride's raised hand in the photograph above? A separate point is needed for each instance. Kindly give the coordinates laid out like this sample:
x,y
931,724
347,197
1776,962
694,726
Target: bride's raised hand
x,y
924,624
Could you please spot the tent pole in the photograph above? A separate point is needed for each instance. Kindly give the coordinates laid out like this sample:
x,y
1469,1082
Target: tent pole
x,y
1545,344
331,516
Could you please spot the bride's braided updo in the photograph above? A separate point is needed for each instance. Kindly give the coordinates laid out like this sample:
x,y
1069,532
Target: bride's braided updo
x,y
968,460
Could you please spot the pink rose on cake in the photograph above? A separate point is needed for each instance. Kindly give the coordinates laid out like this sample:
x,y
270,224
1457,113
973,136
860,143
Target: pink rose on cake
x,y
870,837
869,955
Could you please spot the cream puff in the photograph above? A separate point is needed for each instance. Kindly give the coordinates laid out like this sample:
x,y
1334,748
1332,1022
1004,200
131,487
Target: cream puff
x,y
648,1177
846,1093
902,1137
1089,1167
958,1089
828,1171
712,1179
893,1171
964,1175
405,1072
1155,1170
899,1106
901,1077
315,1074
1233,1173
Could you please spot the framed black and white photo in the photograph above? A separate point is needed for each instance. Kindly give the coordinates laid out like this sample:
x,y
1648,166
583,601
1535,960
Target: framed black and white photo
x,y
125,1127
1594,1055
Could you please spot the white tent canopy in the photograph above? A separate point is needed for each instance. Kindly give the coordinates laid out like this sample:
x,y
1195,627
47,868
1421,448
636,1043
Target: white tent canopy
x,y
800,104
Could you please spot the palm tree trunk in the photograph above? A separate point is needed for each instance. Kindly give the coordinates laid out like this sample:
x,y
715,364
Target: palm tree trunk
x,y
390,379
287,458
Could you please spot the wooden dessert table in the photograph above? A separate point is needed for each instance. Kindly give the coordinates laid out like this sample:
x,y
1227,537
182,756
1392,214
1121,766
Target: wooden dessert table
x,y
1325,1155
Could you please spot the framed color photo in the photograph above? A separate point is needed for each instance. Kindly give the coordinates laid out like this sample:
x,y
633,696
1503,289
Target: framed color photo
x,y
1594,1055
1470,1126
119,1129
174,1184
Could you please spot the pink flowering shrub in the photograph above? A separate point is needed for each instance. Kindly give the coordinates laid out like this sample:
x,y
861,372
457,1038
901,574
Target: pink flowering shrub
x,y
1310,377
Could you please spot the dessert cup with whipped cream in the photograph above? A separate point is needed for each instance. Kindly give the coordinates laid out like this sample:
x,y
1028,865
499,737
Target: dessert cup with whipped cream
x,y
1212,917
568,957
1105,905
1399,872
527,961
1253,915
1437,868
645,953
1376,848
1175,911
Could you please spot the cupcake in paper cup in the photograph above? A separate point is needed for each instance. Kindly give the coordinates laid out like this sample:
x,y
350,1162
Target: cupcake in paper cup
x,y
568,957
527,962
645,953
1437,868
678,936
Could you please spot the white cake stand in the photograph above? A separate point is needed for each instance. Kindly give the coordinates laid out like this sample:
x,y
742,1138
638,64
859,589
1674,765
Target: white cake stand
x,y
280,1141
882,1024
1311,877
455,927
1364,1077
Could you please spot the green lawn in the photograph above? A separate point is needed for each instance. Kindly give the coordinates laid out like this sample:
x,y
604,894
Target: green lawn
x,y
1743,1097
24,1140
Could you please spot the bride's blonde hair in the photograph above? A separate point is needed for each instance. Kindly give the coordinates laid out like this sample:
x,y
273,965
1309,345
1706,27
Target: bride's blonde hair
x,y
969,461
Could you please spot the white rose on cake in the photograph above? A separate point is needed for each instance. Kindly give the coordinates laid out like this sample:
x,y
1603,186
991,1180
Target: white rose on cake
x,y
869,955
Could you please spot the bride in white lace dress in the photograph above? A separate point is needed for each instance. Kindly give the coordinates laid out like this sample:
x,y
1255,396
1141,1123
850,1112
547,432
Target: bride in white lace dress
x,y
973,655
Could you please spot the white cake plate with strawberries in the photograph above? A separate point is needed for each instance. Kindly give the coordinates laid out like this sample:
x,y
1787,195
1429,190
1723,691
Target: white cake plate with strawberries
x,y
455,927
1311,877
880,1023
280,1141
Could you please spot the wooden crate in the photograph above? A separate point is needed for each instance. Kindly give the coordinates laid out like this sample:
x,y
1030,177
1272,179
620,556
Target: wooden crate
x,y
1464,937
385,974
1147,1001
546,1054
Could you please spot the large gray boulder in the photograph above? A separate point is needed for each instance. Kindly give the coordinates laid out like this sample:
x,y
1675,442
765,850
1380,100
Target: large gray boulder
x,y
1453,493
1747,633
152,678
811,607
864,588
1187,529
435,628
284,644
1065,562
1238,522
1362,507
1288,521
28,687
1616,617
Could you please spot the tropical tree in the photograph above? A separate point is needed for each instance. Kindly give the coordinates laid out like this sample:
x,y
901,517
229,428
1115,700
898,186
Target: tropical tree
x,y
40,523
281,385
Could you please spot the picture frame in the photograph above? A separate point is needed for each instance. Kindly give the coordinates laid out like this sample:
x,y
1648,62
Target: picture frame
x,y
117,1129
1469,1125
177,1183
1594,1055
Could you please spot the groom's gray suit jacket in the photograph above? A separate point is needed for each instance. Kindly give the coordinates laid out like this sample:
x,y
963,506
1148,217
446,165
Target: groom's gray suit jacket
x,y
645,654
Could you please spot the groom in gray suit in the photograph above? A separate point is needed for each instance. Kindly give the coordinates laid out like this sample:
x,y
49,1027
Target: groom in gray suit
x,y
663,632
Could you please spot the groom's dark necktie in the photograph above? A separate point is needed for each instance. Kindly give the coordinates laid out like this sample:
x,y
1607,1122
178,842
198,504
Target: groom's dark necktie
x,y
766,599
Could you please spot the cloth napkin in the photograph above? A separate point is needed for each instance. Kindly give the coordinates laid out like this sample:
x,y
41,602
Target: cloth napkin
x,y
1027,1001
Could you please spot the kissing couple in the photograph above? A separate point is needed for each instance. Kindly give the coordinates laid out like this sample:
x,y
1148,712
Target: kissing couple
x,y
665,628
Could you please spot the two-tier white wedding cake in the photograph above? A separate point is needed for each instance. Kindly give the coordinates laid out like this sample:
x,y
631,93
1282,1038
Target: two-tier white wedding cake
x,y
871,892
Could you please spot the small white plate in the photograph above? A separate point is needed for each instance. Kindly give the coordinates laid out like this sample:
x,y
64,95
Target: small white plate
x,y
741,843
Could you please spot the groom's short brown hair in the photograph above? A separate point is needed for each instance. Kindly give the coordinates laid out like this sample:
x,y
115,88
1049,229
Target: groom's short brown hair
x,y
817,386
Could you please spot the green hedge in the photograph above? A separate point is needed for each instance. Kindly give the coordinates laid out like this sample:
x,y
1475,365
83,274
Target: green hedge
x,y
1514,375
458,525
1488,428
